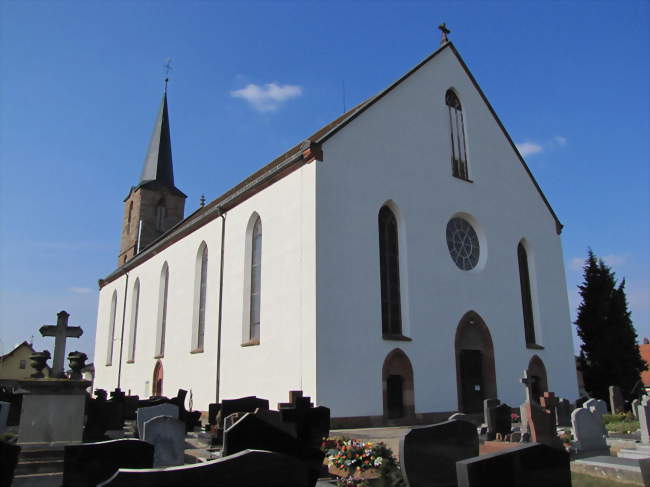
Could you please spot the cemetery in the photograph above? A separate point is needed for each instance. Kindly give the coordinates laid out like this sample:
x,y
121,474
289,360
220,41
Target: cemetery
x,y
54,433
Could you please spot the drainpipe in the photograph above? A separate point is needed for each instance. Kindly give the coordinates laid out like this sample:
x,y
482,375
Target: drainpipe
x,y
223,239
119,365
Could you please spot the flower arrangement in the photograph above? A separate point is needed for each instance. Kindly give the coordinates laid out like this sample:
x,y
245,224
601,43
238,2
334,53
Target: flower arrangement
x,y
361,464
514,417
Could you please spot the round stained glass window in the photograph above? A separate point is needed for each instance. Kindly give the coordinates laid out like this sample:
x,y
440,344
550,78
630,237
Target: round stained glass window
x,y
463,243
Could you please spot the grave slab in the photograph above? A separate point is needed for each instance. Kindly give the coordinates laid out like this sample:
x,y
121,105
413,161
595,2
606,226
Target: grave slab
x,y
523,466
249,468
428,454
611,468
589,431
91,463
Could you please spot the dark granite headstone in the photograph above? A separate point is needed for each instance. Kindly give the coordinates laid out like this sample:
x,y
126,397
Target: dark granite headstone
x,y
91,463
253,432
644,464
488,416
243,469
8,460
549,402
242,405
564,412
523,466
541,424
428,454
502,419
96,418
130,407
213,410
581,400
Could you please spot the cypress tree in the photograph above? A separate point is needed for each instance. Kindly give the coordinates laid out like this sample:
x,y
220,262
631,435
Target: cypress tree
x,y
609,354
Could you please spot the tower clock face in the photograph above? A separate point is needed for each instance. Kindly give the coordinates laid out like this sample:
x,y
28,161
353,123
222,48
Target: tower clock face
x,y
462,242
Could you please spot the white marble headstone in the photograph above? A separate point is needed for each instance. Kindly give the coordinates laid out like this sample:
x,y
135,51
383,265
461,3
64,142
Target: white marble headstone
x,y
167,435
588,429
4,415
145,414
598,405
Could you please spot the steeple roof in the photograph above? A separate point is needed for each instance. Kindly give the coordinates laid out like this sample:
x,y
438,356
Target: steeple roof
x,y
158,167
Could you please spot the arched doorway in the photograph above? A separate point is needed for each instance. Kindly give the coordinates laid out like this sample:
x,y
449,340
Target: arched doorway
x,y
158,379
397,383
537,374
475,371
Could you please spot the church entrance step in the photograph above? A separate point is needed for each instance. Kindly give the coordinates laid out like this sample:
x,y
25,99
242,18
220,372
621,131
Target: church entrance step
x,y
39,466
38,480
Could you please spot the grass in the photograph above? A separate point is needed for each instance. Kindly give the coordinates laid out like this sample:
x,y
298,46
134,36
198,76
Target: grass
x,y
584,480
620,423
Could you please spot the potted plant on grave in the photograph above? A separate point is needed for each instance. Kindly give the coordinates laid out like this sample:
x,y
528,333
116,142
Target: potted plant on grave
x,y
361,464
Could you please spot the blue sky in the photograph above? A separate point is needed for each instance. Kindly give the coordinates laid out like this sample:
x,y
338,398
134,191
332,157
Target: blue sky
x,y
80,83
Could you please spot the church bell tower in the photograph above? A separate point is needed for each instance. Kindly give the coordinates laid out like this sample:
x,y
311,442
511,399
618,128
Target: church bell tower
x,y
154,205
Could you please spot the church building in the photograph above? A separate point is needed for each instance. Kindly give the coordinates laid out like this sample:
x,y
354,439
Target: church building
x,y
400,264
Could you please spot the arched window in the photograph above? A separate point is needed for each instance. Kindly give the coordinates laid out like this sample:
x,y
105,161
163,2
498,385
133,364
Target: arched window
x,y
111,329
135,304
255,280
526,299
162,311
391,310
161,213
457,132
200,286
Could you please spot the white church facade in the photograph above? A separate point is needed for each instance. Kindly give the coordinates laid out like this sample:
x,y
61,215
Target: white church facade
x,y
399,264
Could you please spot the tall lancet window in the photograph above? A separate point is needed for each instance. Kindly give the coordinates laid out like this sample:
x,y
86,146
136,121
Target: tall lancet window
x,y
135,305
161,213
111,329
162,311
526,298
391,309
457,132
200,288
255,280
128,220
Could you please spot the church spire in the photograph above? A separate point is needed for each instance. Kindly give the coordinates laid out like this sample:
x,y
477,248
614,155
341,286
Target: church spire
x,y
158,161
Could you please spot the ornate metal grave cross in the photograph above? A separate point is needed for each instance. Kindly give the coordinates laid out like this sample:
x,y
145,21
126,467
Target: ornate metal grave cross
x,y
61,332
445,31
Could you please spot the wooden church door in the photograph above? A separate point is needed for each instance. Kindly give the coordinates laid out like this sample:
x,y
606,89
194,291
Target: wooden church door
x,y
471,379
395,396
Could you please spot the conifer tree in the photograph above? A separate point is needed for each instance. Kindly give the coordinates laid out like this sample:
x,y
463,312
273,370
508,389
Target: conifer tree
x,y
609,352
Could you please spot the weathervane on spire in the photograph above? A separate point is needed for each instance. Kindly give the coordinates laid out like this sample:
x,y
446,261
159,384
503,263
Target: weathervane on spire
x,y
445,31
168,68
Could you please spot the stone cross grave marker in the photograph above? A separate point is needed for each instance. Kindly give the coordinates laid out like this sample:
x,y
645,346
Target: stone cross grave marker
x,y
528,384
550,402
60,332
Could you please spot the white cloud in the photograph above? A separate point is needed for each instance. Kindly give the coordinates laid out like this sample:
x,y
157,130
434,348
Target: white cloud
x,y
614,260
560,140
81,290
268,97
577,263
529,148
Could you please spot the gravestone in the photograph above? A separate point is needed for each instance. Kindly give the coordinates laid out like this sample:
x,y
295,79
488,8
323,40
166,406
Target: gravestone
x,y
91,463
247,468
242,405
256,432
96,418
131,407
8,460
644,419
563,413
644,465
167,435
428,454
598,405
488,416
146,413
580,402
523,466
589,431
213,410
616,402
550,402
312,424
4,415
502,417
635,407
115,410
541,425
6,395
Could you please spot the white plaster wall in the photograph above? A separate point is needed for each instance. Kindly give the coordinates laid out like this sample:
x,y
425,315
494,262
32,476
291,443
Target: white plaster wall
x,y
399,150
284,360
